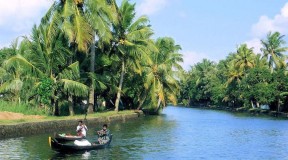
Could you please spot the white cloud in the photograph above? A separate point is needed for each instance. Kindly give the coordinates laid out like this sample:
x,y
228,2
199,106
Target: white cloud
x,y
191,58
278,23
284,10
149,7
18,17
255,43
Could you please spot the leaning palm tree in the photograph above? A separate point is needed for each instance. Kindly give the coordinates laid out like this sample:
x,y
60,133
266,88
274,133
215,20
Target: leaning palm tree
x,y
161,83
132,41
273,50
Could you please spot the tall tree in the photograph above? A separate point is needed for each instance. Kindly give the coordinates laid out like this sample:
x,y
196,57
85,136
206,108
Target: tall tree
x,y
68,15
83,22
12,79
132,41
273,50
161,73
99,14
48,60
244,58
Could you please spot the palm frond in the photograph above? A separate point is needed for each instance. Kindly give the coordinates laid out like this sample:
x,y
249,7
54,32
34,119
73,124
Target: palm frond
x,y
11,86
75,88
17,60
83,32
72,72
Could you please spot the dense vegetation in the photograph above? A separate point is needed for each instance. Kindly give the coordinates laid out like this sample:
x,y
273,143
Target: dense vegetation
x,y
87,52
95,54
244,80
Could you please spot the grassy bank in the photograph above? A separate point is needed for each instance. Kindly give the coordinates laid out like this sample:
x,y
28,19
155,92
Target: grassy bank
x,y
76,117
25,127
29,110
20,108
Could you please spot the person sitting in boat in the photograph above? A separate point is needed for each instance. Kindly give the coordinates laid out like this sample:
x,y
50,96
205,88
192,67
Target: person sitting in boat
x,y
81,129
103,134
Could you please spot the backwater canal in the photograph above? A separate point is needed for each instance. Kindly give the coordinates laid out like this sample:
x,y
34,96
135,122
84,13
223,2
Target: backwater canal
x,y
178,133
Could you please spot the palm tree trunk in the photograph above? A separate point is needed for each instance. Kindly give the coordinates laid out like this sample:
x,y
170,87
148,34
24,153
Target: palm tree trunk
x,y
71,105
252,104
257,104
141,101
92,70
91,99
120,87
96,102
278,106
158,105
55,107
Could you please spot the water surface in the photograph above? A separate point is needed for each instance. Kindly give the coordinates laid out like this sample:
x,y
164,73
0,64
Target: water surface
x,y
178,133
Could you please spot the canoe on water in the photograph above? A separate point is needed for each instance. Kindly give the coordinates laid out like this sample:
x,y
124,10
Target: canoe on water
x,y
67,137
60,147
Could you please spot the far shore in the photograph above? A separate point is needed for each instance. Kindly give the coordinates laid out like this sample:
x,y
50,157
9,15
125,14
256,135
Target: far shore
x,y
251,112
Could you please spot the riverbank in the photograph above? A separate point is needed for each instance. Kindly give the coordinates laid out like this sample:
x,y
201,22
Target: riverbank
x,y
25,127
251,112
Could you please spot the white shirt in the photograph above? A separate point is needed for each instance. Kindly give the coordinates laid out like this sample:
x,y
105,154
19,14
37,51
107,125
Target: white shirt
x,y
82,129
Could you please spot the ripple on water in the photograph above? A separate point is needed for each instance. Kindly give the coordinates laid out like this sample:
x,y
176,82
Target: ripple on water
x,y
14,147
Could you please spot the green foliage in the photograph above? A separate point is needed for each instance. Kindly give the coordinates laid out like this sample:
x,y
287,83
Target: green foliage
x,y
258,86
48,67
44,90
200,80
5,53
242,79
273,50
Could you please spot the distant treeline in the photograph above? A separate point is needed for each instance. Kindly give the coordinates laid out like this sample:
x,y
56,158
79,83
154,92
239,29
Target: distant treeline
x,y
243,80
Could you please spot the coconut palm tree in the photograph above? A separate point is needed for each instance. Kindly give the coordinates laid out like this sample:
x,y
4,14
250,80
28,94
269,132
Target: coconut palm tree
x,y
161,83
83,22
131,41
204,71
244,58
68,15
48,59
99,14
273,49
13,79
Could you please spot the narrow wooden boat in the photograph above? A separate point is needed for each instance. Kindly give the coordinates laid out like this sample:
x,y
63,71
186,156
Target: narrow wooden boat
x,y
65,137
60,147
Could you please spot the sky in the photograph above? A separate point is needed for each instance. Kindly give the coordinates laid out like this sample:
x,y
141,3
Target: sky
x,y
208,29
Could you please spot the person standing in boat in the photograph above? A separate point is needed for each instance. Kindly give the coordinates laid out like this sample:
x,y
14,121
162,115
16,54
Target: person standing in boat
x,y
103,134
81,129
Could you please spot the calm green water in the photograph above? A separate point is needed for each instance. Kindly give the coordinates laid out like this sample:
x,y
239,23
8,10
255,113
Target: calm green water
x,y
179,133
